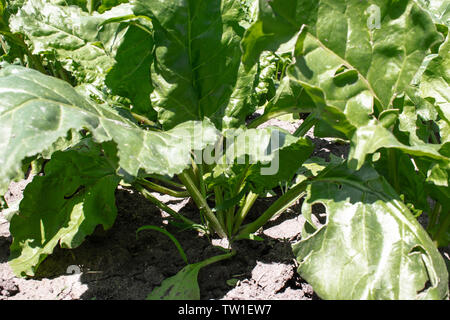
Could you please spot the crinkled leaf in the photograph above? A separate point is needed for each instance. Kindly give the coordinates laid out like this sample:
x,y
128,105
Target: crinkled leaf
x,y
79,41
384,253
51,29
267,77
116,45
197,70
65,205
36,110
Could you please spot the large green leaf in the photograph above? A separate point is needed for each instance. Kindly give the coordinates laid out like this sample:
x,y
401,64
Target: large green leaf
x,y
197,70
384,253
115,45
360,54
65,205
78,40
265,157
342,51
36,110
113,48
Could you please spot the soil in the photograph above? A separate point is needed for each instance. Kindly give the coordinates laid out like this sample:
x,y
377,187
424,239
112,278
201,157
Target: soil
x,y
115,264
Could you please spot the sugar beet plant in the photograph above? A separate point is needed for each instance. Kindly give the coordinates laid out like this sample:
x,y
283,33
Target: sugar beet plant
x,y
156,96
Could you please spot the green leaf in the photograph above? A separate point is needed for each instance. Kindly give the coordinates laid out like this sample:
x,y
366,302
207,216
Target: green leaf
x,y
289,158
438,176
441,231
265,156
106,5
416,133
438,9
183,285
65,205
80,41
384,253
130,76
291,97
3,23
97,5
37,110
410,182
50,29
112,49
340,51
374,136
276,25
359,63
435,81
197,70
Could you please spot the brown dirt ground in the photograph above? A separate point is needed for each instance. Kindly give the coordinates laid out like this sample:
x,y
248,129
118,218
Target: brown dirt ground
x,y
113,264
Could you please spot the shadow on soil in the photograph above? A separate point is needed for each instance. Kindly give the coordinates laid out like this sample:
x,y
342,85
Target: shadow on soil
x,y
5,242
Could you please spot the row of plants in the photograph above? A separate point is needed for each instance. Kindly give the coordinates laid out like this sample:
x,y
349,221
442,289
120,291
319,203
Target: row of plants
x,y
157,95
